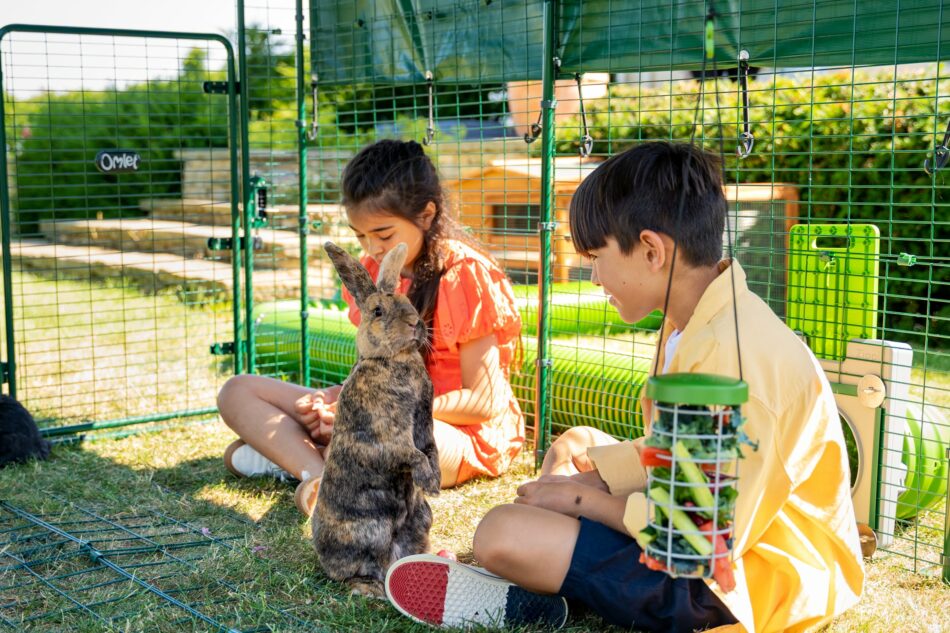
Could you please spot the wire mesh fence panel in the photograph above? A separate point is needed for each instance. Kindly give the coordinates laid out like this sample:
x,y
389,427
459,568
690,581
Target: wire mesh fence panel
x,y
462,118
823,133
119,280
76,570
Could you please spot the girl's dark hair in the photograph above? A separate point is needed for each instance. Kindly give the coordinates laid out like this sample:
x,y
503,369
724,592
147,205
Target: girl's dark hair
x,y
640,189
397,178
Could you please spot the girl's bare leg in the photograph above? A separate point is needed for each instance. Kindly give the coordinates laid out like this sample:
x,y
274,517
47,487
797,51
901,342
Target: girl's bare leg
x,y
568,453
452,444
261,411
529,546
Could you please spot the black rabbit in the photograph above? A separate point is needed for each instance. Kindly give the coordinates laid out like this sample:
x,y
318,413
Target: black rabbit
x,y
371,509
20,440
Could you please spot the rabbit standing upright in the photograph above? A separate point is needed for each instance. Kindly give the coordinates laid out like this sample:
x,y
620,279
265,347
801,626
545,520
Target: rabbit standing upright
x,y
371,508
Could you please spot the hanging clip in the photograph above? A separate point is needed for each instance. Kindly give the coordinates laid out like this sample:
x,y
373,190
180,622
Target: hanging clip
x,y
532,136
430,126
587,141
314,126
746,139
941,154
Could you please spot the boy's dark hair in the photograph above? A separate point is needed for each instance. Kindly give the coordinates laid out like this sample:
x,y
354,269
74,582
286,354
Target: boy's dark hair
x,y
640,189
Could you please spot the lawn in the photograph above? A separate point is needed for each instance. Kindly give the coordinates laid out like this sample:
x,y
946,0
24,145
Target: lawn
x,y
177,473
237,549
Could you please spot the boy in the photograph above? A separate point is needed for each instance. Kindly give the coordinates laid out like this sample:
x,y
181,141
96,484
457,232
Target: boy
x,y
797,554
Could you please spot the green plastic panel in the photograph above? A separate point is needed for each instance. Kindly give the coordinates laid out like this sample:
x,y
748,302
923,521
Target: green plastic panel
x,y
833,284
485,41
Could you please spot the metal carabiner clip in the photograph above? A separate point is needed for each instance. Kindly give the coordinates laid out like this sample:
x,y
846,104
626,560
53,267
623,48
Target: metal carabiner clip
x,y
587,141
430,126
314,125
746,138
941,154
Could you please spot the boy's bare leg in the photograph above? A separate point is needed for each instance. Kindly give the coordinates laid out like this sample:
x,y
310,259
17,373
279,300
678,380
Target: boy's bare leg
x,y
260,410
568,454
529,546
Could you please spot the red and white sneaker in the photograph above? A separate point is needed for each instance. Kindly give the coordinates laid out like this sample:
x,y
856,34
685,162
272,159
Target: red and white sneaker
x,y
441,592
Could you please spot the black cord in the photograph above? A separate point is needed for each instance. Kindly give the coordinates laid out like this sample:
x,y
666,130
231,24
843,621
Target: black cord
x,y
729,242
682,207
684,189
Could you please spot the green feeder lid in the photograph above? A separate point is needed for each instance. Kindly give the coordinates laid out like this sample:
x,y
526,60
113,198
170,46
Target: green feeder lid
x,y
699,389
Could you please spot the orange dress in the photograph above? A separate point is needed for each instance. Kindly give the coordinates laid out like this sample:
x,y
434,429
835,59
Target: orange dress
x,y
475,300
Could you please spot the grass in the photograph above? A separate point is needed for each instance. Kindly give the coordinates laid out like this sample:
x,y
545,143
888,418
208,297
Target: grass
x,y
94,353
178,473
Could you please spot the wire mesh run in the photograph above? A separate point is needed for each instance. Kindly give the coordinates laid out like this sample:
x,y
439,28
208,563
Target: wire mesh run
x,y
78,571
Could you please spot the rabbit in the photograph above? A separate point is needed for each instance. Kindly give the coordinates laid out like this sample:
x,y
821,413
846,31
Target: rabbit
x,y
371,508
20,440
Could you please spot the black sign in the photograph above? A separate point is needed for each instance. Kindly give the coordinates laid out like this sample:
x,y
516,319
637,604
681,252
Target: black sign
x,y
117,161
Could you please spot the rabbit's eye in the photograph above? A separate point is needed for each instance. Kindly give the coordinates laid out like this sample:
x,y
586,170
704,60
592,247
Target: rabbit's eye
x,y
377,311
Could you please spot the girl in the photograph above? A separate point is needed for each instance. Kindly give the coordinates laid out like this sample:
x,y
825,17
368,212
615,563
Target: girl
x,y
392,194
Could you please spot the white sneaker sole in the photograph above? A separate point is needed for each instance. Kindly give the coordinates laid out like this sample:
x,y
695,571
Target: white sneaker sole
x,y
440,592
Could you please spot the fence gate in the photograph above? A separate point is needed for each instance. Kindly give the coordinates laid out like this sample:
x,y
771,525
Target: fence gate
x,y
117,270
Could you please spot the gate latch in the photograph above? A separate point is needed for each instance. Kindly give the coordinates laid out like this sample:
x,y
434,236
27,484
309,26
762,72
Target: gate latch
x,y
220,87
259,202
227,243
222,349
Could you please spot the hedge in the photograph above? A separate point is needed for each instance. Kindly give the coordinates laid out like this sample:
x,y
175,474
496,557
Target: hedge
x,y
54,161
853,142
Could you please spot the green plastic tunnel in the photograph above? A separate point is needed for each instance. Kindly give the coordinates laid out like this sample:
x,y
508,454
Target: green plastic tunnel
x,y
588,387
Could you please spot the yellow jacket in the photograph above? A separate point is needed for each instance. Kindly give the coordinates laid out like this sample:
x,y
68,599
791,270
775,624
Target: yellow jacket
x,y
797,553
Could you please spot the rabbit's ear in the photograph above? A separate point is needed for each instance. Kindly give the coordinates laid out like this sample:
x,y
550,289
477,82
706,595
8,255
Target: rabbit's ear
x,y
389,270
354,276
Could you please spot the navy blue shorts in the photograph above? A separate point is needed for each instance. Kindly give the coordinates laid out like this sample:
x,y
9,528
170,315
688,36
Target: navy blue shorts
x,y
607,577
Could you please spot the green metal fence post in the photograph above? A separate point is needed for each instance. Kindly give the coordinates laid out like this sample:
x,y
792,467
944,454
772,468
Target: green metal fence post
x,y
9,365
233,114
545,279
303,222
248,196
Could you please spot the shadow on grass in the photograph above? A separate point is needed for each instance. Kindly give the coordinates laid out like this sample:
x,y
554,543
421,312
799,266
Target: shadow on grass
x,y
179,474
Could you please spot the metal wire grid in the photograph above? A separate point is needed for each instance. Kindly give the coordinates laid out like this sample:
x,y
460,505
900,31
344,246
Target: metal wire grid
x,y
78,571
668,490
136,348
833,145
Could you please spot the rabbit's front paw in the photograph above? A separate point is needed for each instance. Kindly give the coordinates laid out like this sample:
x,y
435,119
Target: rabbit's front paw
x,y
367,588
425,476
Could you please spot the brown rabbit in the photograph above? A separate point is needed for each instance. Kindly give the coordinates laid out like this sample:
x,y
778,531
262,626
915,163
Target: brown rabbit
x,y
371,509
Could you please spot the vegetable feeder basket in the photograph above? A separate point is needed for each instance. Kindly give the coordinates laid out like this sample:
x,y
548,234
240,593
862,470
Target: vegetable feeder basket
x,y
692,458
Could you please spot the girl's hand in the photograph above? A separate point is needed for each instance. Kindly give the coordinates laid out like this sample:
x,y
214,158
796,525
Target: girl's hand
x,y
316,416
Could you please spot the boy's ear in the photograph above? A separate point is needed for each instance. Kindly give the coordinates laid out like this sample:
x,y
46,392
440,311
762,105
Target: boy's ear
x,y
655,249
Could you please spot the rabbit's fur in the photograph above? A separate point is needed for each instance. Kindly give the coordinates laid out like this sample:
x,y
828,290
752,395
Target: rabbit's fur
x,y
371,508
20,440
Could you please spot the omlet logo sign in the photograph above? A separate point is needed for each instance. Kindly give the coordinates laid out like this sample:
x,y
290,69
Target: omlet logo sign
x,y
117,161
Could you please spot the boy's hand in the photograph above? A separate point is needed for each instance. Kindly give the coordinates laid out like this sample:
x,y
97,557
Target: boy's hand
x,y
558,494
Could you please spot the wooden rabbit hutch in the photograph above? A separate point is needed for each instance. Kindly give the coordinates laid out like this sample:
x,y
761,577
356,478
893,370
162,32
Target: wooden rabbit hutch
x,y
501,203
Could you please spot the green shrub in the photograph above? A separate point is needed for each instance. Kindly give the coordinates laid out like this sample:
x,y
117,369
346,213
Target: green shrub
x,y
853,143
55,172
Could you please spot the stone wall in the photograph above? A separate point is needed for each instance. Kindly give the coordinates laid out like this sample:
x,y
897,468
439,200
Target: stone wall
x,y
206,174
